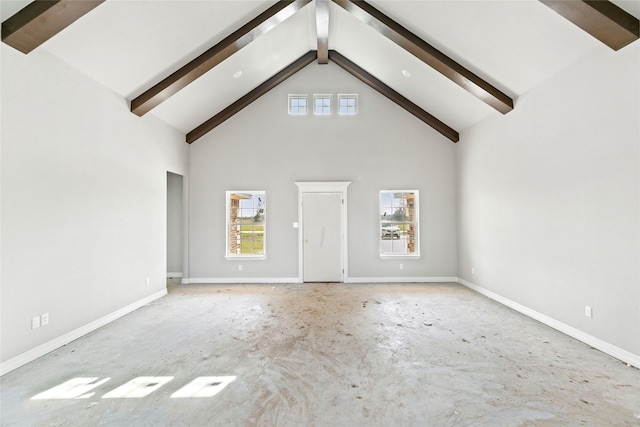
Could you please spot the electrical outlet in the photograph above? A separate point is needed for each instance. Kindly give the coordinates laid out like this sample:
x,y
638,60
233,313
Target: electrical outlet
x,y
148,281
473,270
588,311
35,322
239,267
401,266
44,319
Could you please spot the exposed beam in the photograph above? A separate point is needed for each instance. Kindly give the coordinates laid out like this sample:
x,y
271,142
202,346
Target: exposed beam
x,y
322,28
428,54
394,96
602,19
256,93
215,55
41,20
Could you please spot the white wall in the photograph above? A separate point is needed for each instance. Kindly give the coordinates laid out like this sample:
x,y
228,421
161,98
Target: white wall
x,y
264,148
174,223
549,199
83,200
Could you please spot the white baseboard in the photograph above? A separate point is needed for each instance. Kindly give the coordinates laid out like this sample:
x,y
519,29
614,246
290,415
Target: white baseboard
x,y
268,280
174,275
39,351
401,280
239,280
610,349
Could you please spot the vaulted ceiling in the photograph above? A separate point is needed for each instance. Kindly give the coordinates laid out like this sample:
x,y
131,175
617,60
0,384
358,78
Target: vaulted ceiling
x,y
193,64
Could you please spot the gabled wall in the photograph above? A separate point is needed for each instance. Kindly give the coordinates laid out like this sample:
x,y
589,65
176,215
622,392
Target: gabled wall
x,y
549,201
83,204
264,148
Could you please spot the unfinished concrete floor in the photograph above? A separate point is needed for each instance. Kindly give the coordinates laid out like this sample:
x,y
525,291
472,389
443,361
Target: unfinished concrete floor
x,y
329,355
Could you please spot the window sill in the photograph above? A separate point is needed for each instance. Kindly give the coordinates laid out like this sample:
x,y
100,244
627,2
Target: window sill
x,y
246,257
400,256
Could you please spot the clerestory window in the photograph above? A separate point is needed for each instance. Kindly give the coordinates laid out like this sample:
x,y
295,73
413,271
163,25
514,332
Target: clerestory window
x,y
298,105
322,104
347,104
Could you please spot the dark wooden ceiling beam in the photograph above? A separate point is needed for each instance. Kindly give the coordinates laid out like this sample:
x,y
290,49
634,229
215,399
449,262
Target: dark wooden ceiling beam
x,y
428,54
247,99
322,28
602,19
264,22
394,96
41,20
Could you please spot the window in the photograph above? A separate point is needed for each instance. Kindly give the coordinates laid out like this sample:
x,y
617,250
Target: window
x,y
322,104
399,224
246,224
348,104
298,105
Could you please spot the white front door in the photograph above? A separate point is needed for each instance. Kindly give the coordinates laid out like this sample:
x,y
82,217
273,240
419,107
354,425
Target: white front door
x,y
322,237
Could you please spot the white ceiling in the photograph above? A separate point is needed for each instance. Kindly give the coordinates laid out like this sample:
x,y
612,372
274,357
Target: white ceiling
x,y
128,46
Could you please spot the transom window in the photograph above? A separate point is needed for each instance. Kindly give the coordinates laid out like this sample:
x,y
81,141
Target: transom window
x,y
246,224
399,224
298,105
347,103
322,104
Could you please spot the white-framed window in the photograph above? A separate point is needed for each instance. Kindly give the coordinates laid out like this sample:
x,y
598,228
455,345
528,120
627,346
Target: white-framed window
x,y
347,103
322,104
399,227
246,224
298,105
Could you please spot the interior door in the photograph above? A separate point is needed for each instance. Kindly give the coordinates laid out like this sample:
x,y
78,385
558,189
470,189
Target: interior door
x,y
322,237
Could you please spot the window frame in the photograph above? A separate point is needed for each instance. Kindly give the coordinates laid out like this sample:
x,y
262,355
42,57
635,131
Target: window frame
x,y
415,254
317,96
353,96
298,96
228,238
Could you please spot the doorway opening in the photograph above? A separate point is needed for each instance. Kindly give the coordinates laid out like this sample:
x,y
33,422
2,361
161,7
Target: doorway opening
x,y
175,229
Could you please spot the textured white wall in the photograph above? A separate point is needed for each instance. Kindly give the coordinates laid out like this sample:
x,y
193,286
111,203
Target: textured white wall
x,y
83,200
264,148
549,198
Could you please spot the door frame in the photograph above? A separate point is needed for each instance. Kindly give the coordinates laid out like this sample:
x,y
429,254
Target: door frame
x,y
324,187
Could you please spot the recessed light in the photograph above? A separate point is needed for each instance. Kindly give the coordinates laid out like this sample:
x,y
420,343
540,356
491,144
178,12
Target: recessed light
x,y
406,73
237,74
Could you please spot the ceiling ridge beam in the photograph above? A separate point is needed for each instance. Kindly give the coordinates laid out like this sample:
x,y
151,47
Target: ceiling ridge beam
x,y
40,20
601,19
322,29
394,96
179,79
428,54
247,99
